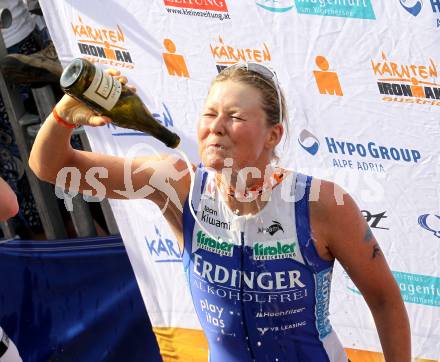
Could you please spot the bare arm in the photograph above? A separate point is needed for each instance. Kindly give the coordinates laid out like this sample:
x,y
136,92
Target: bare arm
x,y
162,179
8,203
348,238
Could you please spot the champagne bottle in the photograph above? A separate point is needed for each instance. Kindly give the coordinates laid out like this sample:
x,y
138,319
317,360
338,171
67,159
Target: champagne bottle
x,y
106,96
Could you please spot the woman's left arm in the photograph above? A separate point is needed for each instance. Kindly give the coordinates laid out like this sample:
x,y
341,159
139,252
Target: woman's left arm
x,y
338,224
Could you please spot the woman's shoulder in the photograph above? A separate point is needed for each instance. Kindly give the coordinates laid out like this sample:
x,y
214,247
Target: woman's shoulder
x,y
330,203
320,189
326,192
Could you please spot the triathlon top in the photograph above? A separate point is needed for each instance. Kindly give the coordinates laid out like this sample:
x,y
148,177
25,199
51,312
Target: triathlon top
x,y
260,290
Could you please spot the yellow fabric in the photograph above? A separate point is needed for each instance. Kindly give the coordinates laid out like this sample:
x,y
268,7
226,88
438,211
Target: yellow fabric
x,y
182,345
190,345
366,356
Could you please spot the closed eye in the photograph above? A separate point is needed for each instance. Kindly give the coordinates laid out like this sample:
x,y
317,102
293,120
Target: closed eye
x,y
238,118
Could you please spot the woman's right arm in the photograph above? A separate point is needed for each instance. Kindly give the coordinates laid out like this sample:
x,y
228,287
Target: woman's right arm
x,y
160,178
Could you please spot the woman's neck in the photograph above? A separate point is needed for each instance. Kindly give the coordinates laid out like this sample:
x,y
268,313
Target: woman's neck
x,y
246,207
246,191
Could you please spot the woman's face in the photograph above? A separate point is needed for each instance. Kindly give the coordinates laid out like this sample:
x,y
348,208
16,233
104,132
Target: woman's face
x,y
233,125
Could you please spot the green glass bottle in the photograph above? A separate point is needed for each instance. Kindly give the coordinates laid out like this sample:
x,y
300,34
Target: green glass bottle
x,y
108,97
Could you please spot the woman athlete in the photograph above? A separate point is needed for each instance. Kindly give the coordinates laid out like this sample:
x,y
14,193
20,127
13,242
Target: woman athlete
x,y
258,241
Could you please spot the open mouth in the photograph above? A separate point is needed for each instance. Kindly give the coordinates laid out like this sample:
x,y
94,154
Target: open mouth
x,y
216,147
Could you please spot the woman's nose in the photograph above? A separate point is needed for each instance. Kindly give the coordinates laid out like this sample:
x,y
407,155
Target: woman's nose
x,y
218,124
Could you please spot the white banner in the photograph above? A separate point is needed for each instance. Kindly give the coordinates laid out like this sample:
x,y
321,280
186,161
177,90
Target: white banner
x,y
363,89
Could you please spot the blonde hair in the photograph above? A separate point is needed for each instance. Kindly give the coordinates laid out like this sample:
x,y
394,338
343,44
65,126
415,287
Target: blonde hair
x,y
267,87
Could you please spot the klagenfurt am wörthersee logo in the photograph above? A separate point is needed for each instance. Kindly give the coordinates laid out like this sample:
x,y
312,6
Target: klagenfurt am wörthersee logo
x,y
360,9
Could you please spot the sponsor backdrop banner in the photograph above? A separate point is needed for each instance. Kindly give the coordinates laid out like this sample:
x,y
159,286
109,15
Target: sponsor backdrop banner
x,y
362,85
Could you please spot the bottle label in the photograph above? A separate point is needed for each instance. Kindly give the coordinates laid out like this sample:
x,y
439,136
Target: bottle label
x,y
104,90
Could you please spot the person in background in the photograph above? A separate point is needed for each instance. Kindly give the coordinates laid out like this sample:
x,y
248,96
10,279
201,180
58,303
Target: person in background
x,y
8,209
21,37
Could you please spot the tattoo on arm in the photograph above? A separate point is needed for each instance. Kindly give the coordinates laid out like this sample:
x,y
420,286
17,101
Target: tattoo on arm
x,y
368,234
376,250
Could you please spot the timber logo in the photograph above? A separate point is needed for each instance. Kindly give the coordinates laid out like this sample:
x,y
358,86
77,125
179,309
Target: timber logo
x,y
102,45
217,9
219,246
276,6
273,250
226,55
407,83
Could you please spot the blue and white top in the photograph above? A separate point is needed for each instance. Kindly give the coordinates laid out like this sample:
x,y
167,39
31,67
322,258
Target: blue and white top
x,y
259,287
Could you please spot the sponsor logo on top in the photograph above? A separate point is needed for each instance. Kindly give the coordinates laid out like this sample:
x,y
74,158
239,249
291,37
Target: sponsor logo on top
x,y
257,285
210,216
273,250
431,223
163,117
226,54
416,7
212,245
407,82
272,229
213,9
162,250
279,313
362,156
102,45
360,9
